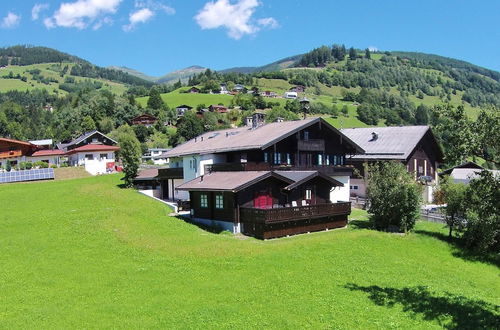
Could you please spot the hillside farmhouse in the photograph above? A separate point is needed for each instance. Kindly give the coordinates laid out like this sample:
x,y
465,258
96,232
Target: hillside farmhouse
x,y
413,146
144,120
266,180
182,109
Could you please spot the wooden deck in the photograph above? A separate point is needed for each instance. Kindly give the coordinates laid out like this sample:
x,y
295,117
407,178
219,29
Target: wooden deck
x,y
284,214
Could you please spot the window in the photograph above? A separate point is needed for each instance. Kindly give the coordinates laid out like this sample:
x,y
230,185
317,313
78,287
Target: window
x,y
354,187
306,135
204,201
89,157
288,159
335,160
320,159
266,157
308,194
103,156
327,160
219,201
277,158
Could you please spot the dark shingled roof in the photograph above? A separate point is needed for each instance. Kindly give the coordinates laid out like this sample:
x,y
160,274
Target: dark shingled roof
x,y
392,142
244,138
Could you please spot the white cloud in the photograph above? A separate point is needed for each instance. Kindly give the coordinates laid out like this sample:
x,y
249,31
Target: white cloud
x,y
236,18
37,9
139,16
10,21
268,22
82,13
145,11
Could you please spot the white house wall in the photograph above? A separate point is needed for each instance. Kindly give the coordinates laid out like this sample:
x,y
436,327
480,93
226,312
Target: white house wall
x,y
95,166
340,194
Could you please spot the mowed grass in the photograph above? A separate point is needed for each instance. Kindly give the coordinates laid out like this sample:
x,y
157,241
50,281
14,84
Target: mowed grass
x,y
84,253
176,98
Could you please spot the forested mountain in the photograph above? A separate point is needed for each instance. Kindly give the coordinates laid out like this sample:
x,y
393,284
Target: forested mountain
x,y
29,55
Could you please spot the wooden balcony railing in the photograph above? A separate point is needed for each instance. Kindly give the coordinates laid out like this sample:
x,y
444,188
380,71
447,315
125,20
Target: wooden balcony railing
x,y
11,153
275,215
251,166
311,145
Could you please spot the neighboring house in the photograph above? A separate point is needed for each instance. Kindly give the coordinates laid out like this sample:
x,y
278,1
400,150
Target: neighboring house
x,y
269,94
298,89
145,120
311,151
290,95
217,108
93,150
223,89
414,146
194,90
20,151
182,109
238,88
161,183
156,155
465,172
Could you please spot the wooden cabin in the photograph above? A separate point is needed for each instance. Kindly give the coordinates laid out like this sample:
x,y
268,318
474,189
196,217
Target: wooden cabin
x,y
145,120
267,204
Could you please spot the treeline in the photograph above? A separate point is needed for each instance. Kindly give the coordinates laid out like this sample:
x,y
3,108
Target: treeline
x,y
27,55
92,71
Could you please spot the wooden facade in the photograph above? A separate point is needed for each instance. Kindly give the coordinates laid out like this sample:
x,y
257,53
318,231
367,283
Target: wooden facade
x,y
266,210
145,120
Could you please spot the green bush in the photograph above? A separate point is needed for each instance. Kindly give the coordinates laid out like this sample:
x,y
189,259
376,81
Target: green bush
x,y
29,165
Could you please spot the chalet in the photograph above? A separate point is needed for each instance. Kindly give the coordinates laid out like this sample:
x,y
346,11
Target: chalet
x,y
217,108
465,172
298,89
156,156
238,88
144,120
182,109
294,169
194,90
414,146
20,151
290,95
93,150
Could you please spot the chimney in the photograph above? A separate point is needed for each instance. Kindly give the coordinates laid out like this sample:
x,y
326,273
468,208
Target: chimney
x,y
374,136
201,178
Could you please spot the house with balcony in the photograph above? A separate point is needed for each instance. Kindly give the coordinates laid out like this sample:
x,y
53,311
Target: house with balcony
x,y
304,161
16,151
414,146
92,150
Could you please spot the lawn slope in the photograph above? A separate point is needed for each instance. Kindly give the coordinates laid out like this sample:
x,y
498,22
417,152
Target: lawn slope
x,y
85,253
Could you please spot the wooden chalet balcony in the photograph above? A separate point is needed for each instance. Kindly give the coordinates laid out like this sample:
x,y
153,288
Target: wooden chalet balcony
x,y
283,214
251,166
311,145
11,153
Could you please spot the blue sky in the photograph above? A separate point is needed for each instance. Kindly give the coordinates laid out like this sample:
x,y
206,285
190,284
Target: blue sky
x,y
159,36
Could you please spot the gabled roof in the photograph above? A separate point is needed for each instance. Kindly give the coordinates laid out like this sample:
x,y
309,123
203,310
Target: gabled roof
x,y
229,181
82,138
28,144
43,153
184,106
244,138
93,147
470,165
300,177
45,142
391,143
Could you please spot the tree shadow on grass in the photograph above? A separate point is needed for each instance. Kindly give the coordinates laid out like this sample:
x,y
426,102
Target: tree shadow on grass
x,y
361,224
451,311
460,251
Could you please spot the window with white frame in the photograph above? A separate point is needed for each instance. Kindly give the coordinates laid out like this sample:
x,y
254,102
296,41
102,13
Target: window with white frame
x,y
219,201
103,156
308,194
204,200
89,157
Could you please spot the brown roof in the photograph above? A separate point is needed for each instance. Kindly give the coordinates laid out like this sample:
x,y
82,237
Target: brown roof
x,y
228,181
148,173
244,138
93,147
41,153
239,180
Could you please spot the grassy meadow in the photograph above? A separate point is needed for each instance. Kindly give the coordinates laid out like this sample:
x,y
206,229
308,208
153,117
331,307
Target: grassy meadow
x,y
84,253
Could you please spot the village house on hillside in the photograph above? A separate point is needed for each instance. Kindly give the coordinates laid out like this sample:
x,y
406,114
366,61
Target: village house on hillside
x,y
414,146
465,172
93,150
16,151
264,180
194,90
217,108
144,120
182,109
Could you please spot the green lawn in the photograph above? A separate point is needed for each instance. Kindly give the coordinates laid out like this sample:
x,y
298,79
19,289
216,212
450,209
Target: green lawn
x,y
84,253
175,98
